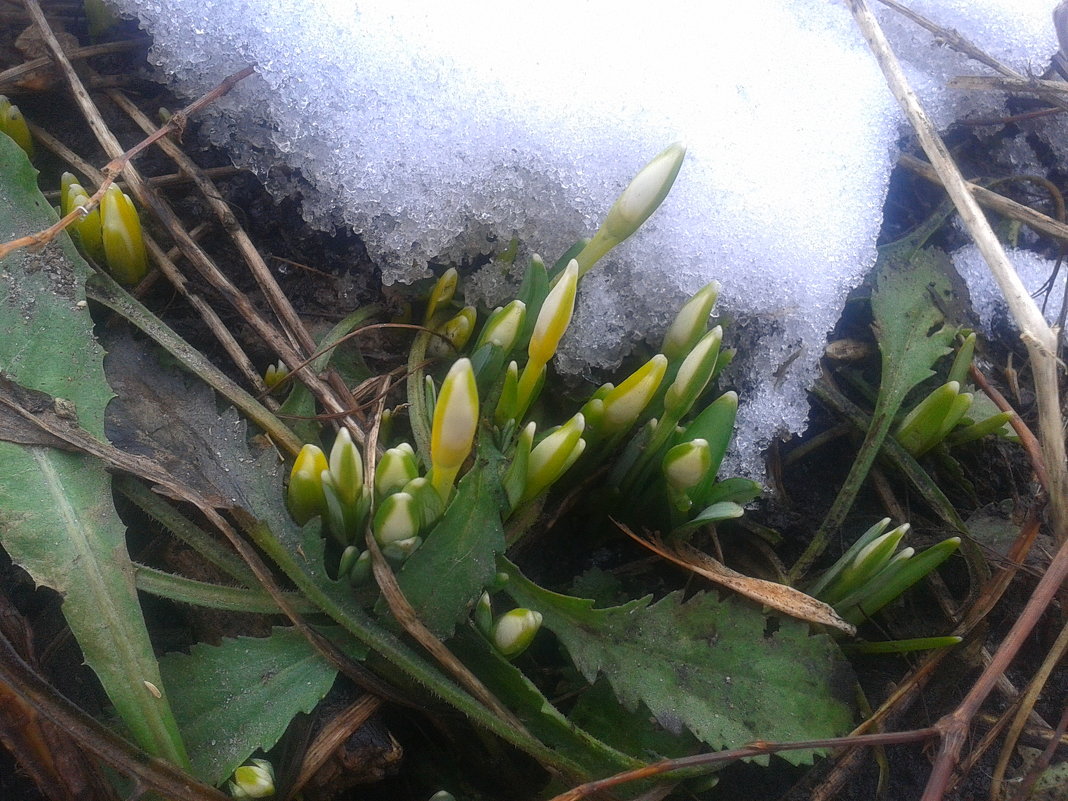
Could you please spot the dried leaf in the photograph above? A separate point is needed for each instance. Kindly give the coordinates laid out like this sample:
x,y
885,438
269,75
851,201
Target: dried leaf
x,y
772,594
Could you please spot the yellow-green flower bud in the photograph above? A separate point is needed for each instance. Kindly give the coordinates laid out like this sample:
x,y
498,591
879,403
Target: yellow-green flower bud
x,y
305,492
456,332
690,323
686,464
635,205
503,326
397,519
346,467
275,374
343,519
455,424
66,181
442,293
514,631
395,469
124,246
694,374
254,780
554,317
14,125
87,230
551,457
348,560
623,404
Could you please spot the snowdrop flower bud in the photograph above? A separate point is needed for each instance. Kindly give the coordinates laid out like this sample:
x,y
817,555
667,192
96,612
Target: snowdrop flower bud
x,y
689,324
120,228
395,469
686,464
623,404
348,560
455,424
87,230
456,330
514,631
503,326
554,317
346,467
694,374
442,293
551,457
639,200
276,373
14,125
255,780
66,181
397,519
549,328
305,493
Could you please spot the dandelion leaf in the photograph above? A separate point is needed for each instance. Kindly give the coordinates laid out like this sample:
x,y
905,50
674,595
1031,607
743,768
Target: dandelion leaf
x,y
234,698
718,668
56,515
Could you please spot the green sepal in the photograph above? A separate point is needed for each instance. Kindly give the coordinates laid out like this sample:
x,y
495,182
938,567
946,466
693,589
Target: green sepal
x,y
885,589
533,291
963,360
846,559
869,562
991,425
715,425
515,478
724,510
918,432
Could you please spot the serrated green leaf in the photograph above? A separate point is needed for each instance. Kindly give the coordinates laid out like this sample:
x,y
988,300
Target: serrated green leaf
x,y
708,665
234,698
56,516
909,324
911,290
445,576
633,732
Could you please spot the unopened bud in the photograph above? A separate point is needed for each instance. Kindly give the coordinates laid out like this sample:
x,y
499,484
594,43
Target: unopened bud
x,y
514,631
305,492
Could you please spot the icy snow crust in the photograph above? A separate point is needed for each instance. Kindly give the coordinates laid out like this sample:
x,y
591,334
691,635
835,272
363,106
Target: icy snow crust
x,y
441,131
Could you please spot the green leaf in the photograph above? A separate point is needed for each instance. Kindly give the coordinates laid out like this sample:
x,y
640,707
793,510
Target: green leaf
x,y
910,325
708,665
911,291
544,721
56,516
445,576
240,696
633,732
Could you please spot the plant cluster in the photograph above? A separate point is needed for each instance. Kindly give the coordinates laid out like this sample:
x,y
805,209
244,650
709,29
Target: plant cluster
x,y
401,540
